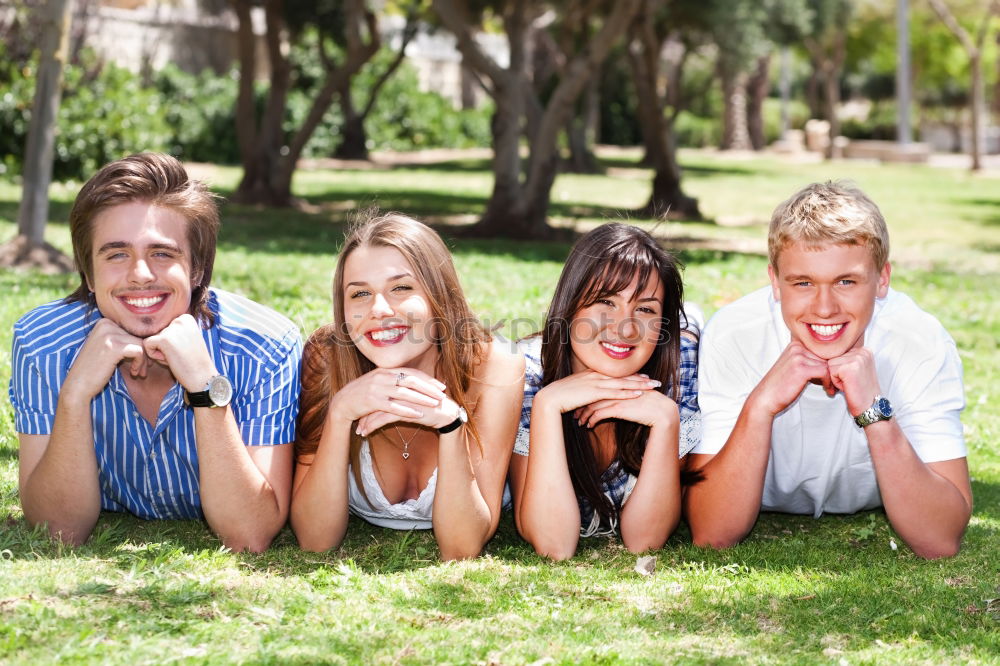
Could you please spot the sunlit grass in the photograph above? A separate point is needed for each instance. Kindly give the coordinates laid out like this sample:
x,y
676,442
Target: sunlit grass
x,y
797,591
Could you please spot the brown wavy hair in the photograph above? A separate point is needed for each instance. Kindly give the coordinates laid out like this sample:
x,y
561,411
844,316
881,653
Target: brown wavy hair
x,y
331,359
603,263
161,181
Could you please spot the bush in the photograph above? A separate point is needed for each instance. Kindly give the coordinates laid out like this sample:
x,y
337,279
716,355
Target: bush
x,y
880,123
102,117
691,131
201,113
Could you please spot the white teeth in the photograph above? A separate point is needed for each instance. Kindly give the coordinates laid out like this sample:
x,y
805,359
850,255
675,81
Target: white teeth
x,y
616,348
388,333
827,329
144,302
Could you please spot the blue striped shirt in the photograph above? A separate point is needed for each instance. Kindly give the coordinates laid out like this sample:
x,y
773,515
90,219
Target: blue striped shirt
x,y
152,470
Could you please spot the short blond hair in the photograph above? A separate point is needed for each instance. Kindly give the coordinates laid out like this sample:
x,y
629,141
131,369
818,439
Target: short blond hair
x,y
834,212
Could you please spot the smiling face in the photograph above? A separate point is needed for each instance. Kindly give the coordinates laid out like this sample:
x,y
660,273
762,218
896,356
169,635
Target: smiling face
x,y
141,275
617,334
386,309
827,294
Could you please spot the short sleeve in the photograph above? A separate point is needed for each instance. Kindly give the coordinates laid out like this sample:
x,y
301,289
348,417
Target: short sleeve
x,y
532,350
724,382
33,395
267,412
928,401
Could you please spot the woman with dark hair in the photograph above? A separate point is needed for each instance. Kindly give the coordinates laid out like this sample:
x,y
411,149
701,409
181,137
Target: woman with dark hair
x,y
610,399
395,396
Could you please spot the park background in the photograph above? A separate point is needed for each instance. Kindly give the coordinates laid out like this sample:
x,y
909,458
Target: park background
x,y
511,127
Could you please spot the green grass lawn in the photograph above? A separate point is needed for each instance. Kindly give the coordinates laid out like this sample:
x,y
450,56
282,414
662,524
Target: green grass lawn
x,y
798,590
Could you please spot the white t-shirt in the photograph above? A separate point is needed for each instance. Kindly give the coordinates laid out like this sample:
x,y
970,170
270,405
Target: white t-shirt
x,y
819,457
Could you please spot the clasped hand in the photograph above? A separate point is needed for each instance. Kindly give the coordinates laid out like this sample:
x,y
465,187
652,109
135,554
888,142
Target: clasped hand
x,y
388,395
594,397
853,373
179,347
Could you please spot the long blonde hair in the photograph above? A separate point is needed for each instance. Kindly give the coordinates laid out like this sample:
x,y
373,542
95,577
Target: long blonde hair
x,y
332,360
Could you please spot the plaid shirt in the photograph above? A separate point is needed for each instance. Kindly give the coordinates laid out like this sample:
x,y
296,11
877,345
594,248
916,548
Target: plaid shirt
x,y
617,484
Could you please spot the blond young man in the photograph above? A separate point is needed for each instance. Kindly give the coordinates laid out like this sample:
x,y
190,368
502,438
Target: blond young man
x,y
829,392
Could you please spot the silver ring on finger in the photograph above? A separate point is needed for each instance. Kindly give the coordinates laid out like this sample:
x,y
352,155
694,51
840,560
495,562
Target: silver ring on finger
x,y
400,377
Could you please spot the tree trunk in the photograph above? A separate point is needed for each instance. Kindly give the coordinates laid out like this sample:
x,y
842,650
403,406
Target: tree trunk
x,y
354,144
469,83
29,247
269,165
812,92
758,86
734,113
978,107
667,198
261,150
517,210
831,99
580,133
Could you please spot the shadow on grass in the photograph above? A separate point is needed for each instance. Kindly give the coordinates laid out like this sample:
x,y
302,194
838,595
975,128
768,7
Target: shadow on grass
x,y
702,170
991,205
58,211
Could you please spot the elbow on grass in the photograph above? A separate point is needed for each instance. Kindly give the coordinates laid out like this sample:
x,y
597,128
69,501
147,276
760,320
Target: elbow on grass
x,y
717,539
936,550
253,544
557,552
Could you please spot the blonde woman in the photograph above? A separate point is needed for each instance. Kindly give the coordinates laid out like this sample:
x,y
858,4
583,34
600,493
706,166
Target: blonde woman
x,y
395,395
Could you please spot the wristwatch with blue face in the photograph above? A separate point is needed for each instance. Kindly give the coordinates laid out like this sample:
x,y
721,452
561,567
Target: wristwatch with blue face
x,y
880,410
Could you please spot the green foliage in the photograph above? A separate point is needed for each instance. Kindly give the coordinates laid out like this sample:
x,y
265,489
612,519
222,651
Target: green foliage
x,y
879,124
693,131
201,111
403,117
104,115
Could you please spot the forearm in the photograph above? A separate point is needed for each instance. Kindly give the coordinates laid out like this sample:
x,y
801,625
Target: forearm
x,y
462,516
319,511
239,503
927,510
653,510
722,508
63,489
549,515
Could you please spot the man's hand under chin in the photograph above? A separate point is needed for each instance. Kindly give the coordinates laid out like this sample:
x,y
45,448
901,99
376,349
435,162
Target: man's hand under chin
x,y
854,374
181,347
796,367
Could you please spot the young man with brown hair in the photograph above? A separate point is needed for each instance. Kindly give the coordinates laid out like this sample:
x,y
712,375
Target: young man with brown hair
x,y
829,392
145,390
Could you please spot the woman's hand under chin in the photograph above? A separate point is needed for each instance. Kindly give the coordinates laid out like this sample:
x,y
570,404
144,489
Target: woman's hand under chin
x,y
438,416
402,393
651,408
584,388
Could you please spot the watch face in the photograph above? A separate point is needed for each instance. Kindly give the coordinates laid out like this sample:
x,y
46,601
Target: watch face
x,y
220,391
884,407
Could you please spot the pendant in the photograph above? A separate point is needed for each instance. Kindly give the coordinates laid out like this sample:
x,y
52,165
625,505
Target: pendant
x,y
406,455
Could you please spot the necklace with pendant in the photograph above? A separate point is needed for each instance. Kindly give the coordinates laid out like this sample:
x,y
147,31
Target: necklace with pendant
x,y
406,442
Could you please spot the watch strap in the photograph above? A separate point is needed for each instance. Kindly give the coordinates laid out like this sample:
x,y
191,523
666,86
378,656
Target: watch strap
x,y
459,421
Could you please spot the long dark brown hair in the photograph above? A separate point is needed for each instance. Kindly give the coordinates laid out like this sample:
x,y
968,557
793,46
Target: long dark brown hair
x,y
331,359
603,263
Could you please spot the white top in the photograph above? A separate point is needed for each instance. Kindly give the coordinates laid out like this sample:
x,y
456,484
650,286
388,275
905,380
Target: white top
x,y
819,457
413,514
